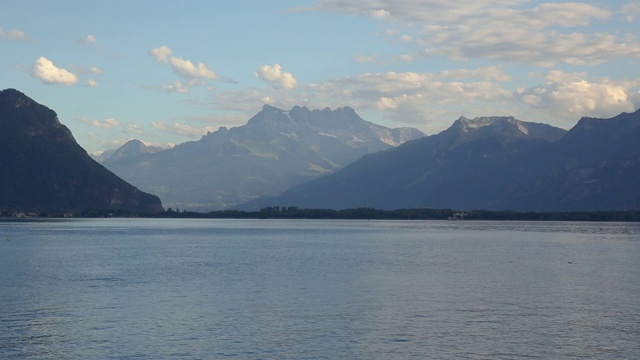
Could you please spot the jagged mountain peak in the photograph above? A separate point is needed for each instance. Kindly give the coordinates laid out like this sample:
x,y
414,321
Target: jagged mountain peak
x,y
507,126
275,149
467,124
343,122
266,108
303,112
270,114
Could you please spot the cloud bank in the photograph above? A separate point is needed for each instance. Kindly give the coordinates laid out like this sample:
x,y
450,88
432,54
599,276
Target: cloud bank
x,y
509,30
571,96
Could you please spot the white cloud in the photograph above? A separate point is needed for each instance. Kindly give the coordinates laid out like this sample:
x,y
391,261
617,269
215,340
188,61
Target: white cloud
x,y
181,87
162,54
92,83
275,75
406,38
194,73
247,100
187,69
406,57
134,129
177,87
108,123
45,70
96,70
183,129
114,126
87,40
159,125
488,73
380,14
438,94
630,11
14,34
571,97
365,59
386,103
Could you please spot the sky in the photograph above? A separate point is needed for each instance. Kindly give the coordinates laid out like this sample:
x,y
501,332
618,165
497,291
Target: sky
x,y
167,72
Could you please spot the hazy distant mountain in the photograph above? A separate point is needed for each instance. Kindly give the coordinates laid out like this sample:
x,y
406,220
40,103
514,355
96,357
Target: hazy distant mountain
x,y
473,164
102,156
44,169
133,147
494,164
275,150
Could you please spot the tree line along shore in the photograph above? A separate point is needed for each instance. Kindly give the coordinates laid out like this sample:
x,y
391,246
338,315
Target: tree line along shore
x,y
277,212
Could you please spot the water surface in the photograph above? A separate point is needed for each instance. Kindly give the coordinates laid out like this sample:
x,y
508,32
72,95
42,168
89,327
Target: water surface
x,y
296,289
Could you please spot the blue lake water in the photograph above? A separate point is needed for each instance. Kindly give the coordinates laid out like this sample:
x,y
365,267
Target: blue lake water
x,y
274,289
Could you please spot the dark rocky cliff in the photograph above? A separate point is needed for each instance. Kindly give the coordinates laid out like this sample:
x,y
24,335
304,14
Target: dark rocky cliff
x,y
42,167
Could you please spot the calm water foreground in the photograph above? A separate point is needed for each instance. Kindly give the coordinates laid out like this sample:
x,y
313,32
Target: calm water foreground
x,y
273,289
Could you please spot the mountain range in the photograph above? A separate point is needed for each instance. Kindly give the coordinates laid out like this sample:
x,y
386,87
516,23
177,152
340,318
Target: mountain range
x,y
325,159
275,150
490,163
44,169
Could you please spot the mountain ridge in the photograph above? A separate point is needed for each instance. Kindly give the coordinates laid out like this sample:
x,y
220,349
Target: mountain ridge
x,y
492,163
273,151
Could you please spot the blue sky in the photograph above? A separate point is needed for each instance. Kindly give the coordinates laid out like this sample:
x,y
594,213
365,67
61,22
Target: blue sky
x,y
167,72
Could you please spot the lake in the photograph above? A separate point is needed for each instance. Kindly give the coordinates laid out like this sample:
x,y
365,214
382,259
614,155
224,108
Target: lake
x,y
316,289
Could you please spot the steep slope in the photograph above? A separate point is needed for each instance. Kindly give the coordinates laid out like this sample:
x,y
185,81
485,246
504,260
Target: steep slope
x,y
473,164
470,165
595,166
275,150
492,163
44,169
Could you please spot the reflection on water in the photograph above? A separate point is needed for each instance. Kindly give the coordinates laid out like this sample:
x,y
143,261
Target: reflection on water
x,y
154,289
